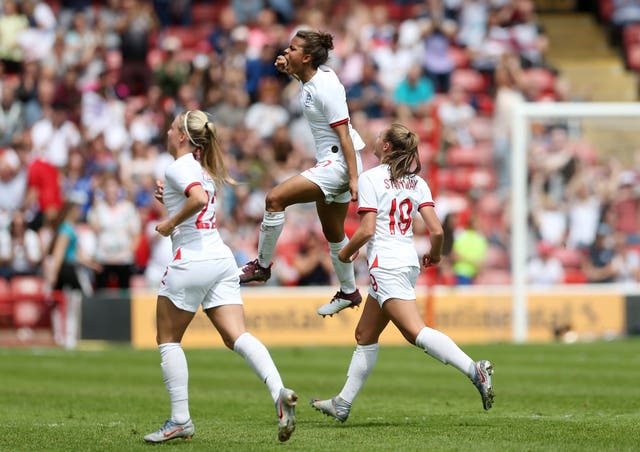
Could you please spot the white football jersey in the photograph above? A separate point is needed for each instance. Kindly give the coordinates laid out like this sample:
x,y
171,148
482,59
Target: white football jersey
x,y
198,235
324,105
395,205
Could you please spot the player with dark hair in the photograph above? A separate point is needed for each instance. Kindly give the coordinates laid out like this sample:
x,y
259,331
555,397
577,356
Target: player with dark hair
x,y
333,182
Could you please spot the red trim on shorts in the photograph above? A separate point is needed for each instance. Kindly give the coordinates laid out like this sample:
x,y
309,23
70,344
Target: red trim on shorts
x,y
189,187
178,255
339,123
374,264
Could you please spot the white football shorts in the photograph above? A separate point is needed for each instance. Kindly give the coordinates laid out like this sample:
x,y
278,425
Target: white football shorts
x,y
210,283
332,176
393,283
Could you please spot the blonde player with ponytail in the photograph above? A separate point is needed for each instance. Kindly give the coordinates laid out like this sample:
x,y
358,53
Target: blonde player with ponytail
x,y
203,273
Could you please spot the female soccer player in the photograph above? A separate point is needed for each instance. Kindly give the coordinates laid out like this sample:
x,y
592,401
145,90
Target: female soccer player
x,y
390,195
203,272
333,182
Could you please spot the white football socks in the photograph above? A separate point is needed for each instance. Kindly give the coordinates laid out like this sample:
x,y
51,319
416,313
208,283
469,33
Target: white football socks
x,y
257,356
362,363
345,272
176,379
270,229
442,348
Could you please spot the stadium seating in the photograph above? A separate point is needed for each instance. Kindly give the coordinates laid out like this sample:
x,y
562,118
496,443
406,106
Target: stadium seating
x,y
6,306
542,79
469,79
205,13
24,302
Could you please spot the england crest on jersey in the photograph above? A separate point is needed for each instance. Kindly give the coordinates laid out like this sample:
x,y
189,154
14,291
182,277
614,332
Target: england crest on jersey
x,y
308,99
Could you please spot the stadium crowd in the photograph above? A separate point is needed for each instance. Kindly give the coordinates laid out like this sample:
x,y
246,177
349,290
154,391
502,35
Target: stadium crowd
x,y
88,89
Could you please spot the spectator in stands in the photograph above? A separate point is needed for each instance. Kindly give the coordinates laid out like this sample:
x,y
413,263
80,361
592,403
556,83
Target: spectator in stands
x,y
231,111
186,97
455,114
173,71
12,23
173,12
54,136
67,262
151,115
260,70
137,166
412,97
68,9
265,115
367,94
550,220
20,248
487,53
312,262
544,268
379,29
235,57
28,91
626,206
624,12
13,183
472,23
135,22
558,162
584,209
598,266
67,90
44,192
439,30
37,40
220,36
76,178
117,226
264,32
103,113
394,62
247,11
80,40
11,119
529,36
469,252
626,261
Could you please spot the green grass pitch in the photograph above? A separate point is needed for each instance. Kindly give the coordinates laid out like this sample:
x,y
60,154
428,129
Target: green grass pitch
x,y
551,397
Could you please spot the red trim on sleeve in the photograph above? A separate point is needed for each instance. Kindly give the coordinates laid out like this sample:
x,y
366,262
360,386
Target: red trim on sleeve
x,y
366,209
339,123
189,187
427,204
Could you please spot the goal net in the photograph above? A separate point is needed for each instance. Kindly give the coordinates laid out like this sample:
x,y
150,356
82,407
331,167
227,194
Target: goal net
x,y
605,131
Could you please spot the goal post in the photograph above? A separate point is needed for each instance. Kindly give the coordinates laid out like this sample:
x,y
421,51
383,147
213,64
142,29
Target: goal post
x,y
521,120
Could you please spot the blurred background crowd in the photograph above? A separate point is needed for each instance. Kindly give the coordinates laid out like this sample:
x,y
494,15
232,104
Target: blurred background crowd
x,y
88,90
